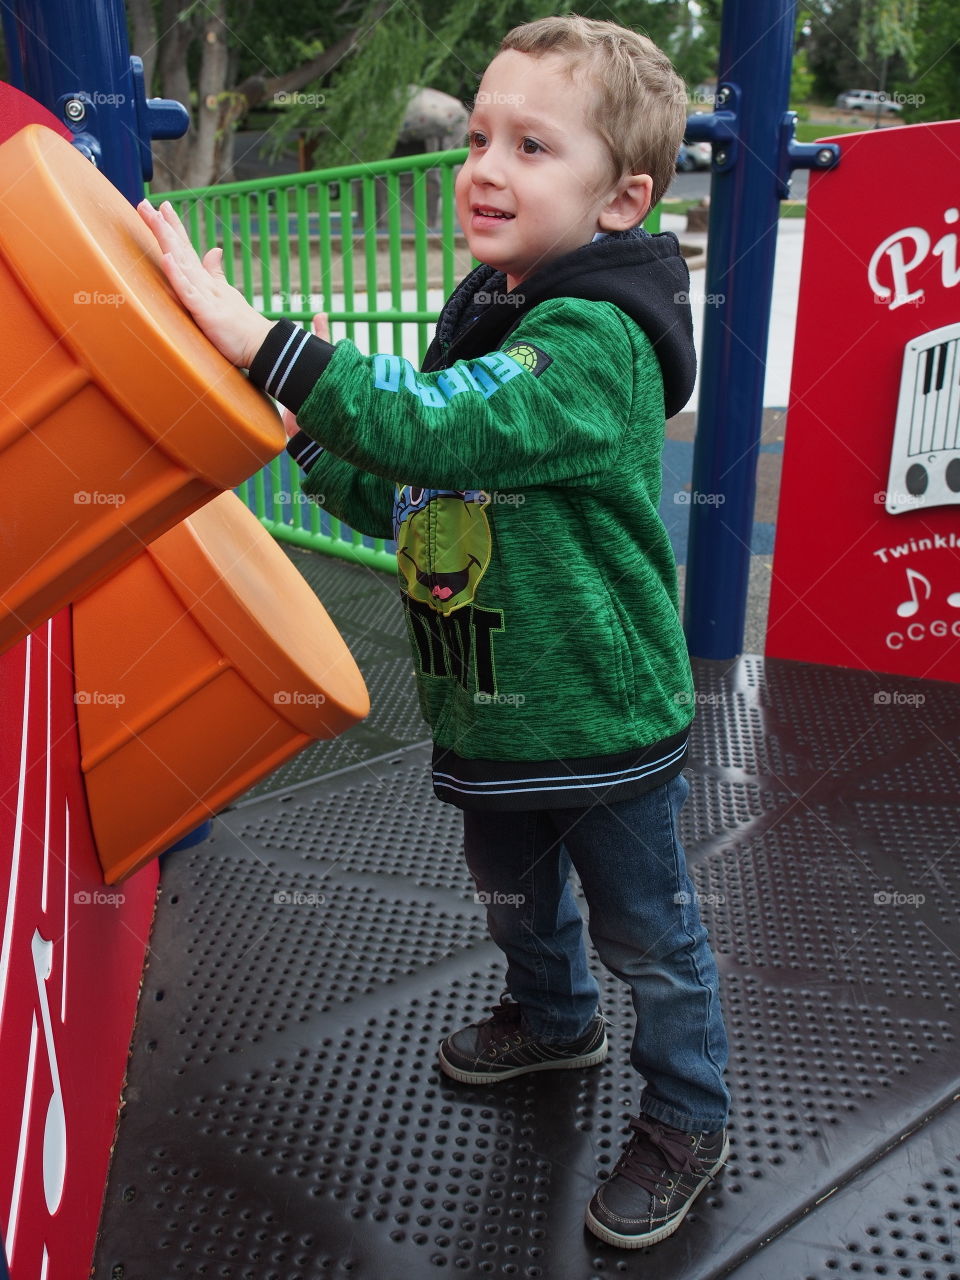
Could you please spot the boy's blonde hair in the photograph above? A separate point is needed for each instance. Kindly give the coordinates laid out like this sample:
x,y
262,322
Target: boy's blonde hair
x,y
639,105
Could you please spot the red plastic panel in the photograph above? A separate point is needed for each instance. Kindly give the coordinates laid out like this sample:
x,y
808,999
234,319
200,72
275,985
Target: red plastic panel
x,y
71,955
71,952
867,560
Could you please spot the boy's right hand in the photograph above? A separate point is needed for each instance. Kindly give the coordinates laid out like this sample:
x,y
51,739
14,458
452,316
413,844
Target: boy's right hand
x,y
221,311
321,327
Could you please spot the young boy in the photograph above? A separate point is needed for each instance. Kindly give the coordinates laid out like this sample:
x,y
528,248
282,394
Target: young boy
x,y
522,470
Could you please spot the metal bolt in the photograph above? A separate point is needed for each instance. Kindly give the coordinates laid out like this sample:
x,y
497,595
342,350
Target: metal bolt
x,y
825,156
723,96
720,157
74,110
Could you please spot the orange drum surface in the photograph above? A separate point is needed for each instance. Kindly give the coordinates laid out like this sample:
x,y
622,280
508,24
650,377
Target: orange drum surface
x,y
200,667
118,417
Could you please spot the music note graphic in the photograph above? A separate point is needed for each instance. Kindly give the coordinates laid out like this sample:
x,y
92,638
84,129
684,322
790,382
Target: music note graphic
x,y
55,1129
909,607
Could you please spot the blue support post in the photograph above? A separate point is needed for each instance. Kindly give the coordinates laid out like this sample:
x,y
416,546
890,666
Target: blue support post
x,y
753,155
74,58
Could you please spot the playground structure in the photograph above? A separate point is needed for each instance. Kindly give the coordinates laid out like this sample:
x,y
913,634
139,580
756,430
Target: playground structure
x,y
282,1116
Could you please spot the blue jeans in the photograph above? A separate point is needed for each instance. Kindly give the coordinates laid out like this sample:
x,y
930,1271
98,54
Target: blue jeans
x,y
644,922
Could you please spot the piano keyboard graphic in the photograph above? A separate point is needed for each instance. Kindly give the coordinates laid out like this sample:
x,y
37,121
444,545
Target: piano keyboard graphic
x,y
925,462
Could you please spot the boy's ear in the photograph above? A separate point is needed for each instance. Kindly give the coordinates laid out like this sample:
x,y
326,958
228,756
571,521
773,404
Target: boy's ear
x,y
629,203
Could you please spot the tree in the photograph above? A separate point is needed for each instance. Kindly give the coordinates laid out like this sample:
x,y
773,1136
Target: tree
x,y
933,91
223,58
338,73
858,44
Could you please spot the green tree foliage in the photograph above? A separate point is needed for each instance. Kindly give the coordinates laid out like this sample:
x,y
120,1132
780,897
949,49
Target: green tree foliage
x,y
886,31
801,77
337,73
859,44
933,91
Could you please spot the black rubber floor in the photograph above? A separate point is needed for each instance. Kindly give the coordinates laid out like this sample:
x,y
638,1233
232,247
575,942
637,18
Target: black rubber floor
x,y
284,1118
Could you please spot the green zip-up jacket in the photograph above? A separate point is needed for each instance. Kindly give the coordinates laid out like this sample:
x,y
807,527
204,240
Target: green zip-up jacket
x,y
520,475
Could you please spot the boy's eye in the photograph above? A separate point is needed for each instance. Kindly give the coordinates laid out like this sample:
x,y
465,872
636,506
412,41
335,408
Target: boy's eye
x,y
476,139
530,146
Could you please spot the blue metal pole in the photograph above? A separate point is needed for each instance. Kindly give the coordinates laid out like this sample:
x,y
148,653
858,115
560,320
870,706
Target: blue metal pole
x,y
753,154
73,57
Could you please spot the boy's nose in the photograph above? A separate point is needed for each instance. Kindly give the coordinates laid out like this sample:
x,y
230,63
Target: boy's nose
x,y
488,169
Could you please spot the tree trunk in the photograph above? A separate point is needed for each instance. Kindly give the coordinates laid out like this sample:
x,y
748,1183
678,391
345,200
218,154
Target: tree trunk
x,y
171,158
205,153
144,33
212,95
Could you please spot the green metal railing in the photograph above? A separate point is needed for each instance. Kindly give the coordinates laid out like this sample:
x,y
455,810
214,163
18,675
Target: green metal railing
x,y
376,247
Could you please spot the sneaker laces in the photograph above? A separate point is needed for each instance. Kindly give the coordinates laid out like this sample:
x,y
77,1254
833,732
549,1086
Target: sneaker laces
x,y
504,1022
652,1146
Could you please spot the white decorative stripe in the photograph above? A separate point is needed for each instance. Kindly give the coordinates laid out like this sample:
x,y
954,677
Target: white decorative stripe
x,y
17,836
565,782
278,364
13,1219
309,455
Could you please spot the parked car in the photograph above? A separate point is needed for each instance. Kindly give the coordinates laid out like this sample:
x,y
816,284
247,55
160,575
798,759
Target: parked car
x,y
694,155
866,100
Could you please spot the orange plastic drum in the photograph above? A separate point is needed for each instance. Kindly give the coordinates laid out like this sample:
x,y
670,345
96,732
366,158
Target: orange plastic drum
x,y
201,666
118,418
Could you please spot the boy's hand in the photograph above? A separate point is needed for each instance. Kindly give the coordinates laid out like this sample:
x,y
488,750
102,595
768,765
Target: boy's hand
x,y
321,327
222,312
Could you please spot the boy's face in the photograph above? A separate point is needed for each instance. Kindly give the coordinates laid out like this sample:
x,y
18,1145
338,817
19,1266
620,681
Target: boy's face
x,y
538,179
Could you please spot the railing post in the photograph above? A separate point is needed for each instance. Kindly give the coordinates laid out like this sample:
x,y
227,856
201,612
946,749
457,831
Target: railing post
x,y
752,156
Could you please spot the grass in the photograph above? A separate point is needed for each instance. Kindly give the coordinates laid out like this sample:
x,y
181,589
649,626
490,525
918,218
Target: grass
x,y
788,208
807,132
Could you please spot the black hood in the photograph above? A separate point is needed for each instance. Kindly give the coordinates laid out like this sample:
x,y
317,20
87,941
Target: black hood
x,y
644,275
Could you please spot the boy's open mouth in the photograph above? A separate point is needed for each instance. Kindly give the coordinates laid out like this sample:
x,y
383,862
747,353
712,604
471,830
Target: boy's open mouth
x,y
484,211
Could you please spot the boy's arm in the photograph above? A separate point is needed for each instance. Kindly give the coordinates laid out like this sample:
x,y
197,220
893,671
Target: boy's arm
x,y
359,499
559,416
553,412
362,501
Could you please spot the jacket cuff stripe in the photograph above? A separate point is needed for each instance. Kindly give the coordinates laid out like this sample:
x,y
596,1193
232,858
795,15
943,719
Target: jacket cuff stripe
x,y
304,450
289,363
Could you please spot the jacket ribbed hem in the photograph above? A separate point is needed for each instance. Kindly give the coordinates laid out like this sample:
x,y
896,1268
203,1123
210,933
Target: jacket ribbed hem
x,y
556,784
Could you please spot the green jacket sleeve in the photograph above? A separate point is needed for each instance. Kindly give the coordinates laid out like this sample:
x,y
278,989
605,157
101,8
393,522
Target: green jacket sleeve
x,y
555,412
361,500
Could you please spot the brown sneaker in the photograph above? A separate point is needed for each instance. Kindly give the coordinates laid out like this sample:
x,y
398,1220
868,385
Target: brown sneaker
x,y
499,1048
660,1173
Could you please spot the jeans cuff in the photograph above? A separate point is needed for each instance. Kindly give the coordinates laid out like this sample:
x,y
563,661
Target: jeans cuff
x,y
666,1114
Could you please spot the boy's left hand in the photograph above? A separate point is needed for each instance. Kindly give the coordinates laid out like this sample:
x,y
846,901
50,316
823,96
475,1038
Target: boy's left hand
x,y
232,325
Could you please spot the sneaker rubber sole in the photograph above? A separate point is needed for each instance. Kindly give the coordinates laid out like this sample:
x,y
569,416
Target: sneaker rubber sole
x,y
609,1236
491,1077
